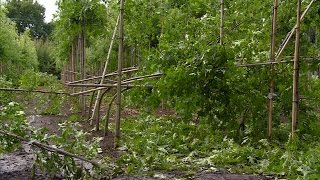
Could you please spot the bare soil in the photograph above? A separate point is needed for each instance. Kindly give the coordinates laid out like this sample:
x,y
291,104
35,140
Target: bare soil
x,y
18,165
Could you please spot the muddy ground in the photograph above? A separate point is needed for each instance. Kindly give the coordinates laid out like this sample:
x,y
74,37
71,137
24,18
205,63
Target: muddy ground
x,y
18,165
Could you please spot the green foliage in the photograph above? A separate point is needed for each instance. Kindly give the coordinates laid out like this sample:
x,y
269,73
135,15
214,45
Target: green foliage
x,y
13,120
31,80
28,15
5,97
47,103
73,140
17,53
45,57
201,79
75,17
154,144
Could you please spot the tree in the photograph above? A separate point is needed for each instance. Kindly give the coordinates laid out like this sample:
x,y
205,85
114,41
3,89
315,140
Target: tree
x,y
17,53
28,15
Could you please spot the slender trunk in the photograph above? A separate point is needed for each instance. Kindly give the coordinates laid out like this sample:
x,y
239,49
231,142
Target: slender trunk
x,y
222,23
72,63
120,60
83,68
272,56
295,94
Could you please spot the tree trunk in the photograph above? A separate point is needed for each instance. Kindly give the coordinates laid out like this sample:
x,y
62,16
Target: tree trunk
x,y
295,94
272,56
120,60
222,22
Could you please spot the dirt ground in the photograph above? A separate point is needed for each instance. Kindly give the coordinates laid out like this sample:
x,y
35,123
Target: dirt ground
x,y
17,165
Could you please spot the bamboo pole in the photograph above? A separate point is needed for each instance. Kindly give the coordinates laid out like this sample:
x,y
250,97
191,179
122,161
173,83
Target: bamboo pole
x,y
120,60
96,105
127,70
49,148
295,93
88,91
272,56
123,83
290,34
222,23
107,86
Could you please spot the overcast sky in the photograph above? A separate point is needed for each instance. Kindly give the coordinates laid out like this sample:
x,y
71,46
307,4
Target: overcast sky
x,y
51,8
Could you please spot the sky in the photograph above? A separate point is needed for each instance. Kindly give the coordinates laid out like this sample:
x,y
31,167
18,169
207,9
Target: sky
x,y
51,8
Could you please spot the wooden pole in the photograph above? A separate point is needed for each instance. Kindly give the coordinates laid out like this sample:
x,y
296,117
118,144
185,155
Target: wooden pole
x,y
295,94
222,22
127,70
96,105
120,60
272,56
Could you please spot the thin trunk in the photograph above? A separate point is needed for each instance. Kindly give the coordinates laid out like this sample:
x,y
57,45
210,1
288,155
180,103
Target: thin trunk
x,y
1,68
295,95
72,63
222,22
83,64
272,56
120,60
79,58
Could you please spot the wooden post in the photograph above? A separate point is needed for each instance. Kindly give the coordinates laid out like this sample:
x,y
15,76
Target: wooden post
x,y
222,22
272,56
295,94
120,60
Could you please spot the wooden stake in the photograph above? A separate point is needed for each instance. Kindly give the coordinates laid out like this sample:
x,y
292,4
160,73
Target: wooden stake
x,y
222,22
120,60
295,94
272,56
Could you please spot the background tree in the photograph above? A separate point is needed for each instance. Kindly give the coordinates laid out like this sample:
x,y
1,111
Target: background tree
x,y
17,53
28,15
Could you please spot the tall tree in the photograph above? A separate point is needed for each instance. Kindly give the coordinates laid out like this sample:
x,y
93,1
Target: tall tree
x,y
28,15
